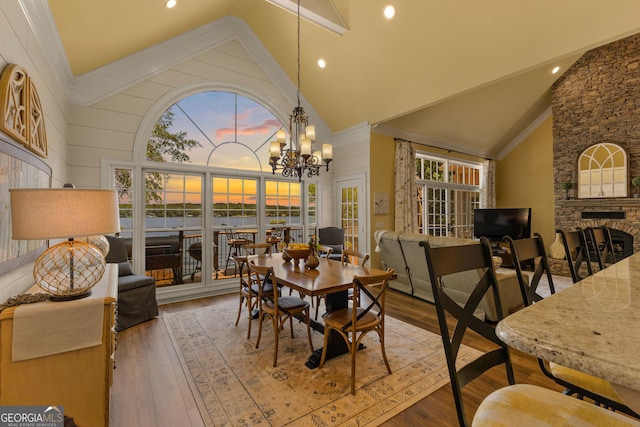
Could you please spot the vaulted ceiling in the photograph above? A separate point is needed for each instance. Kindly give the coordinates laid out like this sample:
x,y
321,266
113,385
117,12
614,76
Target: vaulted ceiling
x,y
465,75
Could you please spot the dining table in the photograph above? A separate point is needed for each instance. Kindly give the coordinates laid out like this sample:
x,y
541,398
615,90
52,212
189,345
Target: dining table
x,y
592,326
330,278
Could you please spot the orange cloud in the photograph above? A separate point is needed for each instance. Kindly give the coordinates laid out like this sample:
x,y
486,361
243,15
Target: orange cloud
x,y
264,128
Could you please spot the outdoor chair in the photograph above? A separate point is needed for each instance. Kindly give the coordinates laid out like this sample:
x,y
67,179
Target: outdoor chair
x,y
235,241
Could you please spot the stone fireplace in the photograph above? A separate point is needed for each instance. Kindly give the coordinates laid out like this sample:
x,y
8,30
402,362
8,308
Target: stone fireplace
x,y
598,100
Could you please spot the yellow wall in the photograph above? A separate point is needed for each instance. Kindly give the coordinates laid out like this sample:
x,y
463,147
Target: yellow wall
x,y
524,178
381,180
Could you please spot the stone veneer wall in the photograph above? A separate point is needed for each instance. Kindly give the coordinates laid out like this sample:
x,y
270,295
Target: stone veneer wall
x,y
597,100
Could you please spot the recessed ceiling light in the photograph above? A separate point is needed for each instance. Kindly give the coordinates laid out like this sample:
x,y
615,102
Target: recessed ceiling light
x,y
321,63
555,70
389,11
170,3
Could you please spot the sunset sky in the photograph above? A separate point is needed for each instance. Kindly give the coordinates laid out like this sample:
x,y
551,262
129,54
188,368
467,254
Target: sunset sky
x,y
220,119
234,132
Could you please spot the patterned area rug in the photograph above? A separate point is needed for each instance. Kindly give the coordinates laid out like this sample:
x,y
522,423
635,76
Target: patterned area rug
x,y
236,385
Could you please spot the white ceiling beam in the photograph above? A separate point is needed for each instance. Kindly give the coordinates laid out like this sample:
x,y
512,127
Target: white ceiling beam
x,y
321,12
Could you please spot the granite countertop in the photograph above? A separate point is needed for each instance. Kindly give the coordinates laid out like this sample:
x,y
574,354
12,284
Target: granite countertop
x,y
592,326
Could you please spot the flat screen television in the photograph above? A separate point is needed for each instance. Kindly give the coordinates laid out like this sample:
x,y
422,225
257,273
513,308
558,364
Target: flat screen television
x,y
496,223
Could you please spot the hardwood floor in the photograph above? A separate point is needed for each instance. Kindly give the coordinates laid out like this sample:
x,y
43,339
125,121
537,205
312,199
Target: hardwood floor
x,y
150,390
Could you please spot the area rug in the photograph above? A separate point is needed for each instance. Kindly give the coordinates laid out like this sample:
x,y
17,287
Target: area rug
x,y
235,384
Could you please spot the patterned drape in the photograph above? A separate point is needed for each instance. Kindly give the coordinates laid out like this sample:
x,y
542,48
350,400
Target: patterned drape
x,y
488,192
405,187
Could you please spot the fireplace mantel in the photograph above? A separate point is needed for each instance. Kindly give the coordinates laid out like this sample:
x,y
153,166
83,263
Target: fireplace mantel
x,y
596,203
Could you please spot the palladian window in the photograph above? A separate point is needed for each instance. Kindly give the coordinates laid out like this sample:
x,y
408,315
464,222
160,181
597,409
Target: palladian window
x,y
205,180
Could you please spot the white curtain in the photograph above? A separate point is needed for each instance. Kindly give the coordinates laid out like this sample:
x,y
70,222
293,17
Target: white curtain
x,y
488,192
405,187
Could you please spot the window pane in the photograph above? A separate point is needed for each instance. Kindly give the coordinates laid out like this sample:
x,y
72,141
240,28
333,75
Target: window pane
x,y
173,200
283,202
123,184
234,201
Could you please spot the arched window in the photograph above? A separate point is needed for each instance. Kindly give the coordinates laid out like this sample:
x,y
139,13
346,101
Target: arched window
x,y
602,171
229,130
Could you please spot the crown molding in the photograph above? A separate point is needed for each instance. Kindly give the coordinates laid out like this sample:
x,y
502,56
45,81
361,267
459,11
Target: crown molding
x,y
321,12
428,141
93,86
524,134
44,28
352,135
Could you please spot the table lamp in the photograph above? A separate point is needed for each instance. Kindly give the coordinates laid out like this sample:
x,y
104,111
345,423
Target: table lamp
x,y
71,268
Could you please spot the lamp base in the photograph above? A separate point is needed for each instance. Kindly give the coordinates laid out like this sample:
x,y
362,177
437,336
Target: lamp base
x,y
59,298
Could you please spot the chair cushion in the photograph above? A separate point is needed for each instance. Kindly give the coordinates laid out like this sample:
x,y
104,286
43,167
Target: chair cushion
x,y
524,404
134,281
337,250
289,303
585,381
124,269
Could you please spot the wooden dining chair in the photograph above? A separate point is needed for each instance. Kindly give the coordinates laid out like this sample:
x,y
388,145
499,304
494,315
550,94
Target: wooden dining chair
x,y
279,308
532,250
351,256
323,252
354,323
577,253
248,293
257,248
348,256
512,404
601,245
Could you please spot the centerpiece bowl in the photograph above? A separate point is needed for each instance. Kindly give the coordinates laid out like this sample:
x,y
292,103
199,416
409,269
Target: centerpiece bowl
x,y
295,254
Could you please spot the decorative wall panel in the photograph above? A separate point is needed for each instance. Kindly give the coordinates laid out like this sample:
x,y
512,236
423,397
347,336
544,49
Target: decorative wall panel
x,y
22,116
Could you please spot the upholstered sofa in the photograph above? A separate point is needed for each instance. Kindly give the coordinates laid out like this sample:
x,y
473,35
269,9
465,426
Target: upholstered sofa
x,y
403,253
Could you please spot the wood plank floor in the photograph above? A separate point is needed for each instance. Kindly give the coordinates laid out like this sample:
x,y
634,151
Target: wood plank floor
x,y
150,390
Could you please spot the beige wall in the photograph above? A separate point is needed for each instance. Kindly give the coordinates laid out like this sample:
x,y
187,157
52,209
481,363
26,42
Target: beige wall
x,y
381,167
18,46
524,178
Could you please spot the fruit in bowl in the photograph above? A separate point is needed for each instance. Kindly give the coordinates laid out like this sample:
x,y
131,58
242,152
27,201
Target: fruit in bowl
x,y
296,252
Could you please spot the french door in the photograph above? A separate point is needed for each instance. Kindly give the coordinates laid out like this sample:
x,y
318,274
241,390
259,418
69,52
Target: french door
x,y
351,198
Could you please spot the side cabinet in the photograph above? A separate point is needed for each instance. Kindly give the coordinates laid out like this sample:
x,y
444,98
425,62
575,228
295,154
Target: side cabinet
x,y
78,380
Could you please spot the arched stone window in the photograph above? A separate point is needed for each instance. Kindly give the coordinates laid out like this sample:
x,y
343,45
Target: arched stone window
x,y
602,171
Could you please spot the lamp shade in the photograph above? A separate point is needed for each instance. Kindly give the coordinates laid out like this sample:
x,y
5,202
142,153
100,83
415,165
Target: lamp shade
x,y
60,213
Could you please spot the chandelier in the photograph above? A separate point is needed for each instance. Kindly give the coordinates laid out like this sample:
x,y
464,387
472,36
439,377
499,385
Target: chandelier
x,y
298,158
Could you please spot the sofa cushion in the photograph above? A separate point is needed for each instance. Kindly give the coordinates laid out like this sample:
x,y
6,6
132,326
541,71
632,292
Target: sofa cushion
x,y
392,257
403,253
133,281
124,269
